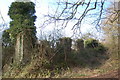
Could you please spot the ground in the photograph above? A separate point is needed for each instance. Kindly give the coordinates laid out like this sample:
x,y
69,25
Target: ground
x,y
111,74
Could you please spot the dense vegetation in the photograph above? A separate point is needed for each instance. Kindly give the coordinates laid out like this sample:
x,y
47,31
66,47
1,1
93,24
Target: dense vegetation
x,y
56,57
48,61
23,18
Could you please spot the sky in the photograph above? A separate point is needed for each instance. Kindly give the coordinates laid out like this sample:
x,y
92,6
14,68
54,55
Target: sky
x,y
42,7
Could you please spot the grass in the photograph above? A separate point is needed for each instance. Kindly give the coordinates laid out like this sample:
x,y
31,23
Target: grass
x,y
80,65
75,72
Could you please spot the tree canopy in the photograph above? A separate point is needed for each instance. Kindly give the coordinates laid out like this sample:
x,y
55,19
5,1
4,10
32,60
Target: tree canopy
x,y
23,18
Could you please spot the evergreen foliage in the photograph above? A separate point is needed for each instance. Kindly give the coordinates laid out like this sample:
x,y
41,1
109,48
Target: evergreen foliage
x,y
6,39
23,18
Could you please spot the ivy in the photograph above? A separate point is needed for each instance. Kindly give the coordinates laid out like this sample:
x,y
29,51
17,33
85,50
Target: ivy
x,y
23,18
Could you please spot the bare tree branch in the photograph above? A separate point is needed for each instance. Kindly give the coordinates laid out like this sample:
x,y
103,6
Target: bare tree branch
x,y
3,22
71,12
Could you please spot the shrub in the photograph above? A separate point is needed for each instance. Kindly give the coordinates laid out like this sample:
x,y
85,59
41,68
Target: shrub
x,y
101,48
91,43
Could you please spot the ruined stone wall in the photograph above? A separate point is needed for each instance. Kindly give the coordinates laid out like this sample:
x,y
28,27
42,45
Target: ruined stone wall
x,y
19,49
23,48
65,45
79,44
